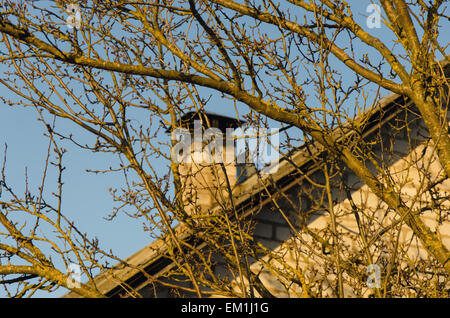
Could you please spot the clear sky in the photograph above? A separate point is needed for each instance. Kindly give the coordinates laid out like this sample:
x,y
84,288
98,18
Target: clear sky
x,y
86,198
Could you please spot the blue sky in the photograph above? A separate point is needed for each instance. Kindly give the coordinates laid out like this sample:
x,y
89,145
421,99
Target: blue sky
x,y
86,197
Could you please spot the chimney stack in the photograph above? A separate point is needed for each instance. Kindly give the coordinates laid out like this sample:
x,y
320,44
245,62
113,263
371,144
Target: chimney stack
x,y
208,148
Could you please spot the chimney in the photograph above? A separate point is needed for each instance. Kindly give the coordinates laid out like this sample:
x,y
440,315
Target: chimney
x,y
207,148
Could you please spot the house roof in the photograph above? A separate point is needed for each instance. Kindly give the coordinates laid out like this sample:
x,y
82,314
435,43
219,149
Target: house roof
x,y
152,258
